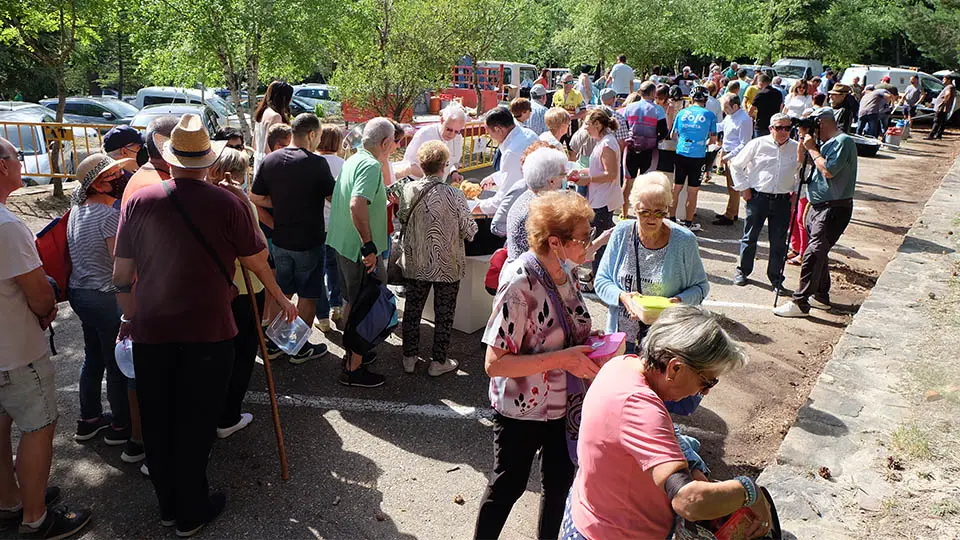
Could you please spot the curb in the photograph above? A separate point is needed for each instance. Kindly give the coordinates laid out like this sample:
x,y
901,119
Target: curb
x,y
858,400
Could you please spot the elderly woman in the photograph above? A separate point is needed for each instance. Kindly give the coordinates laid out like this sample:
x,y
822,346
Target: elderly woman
x,y
227,172
533,340
435,221
633,479
651,256
798,100
558,124
603,176
544,170
91,233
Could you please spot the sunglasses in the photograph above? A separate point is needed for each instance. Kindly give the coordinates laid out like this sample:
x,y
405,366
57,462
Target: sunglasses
x,y
781,128
705,383
235,146
567,82
647,214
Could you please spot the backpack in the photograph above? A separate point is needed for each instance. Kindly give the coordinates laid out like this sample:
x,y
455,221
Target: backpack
x,y
54,254
373,316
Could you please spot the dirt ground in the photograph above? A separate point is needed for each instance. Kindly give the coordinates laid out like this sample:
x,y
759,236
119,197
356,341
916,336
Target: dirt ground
x,y
741,423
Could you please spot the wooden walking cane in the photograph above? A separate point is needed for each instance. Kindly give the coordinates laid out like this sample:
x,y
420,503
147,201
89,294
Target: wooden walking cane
x,y
284,473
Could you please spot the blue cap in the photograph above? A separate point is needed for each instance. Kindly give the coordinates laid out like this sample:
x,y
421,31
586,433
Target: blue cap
x,y
120,136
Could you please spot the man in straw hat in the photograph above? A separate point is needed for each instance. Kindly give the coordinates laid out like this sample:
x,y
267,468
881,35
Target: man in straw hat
x,y
28,392
179,238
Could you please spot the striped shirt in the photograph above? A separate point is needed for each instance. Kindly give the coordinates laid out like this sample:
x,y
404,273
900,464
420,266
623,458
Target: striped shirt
x,y
88,228
537,121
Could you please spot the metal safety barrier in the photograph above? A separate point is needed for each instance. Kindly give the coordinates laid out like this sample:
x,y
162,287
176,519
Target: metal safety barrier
x,y
37,147
478,148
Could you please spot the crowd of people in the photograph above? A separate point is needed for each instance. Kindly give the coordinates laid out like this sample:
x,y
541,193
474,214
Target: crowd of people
x,y
584,201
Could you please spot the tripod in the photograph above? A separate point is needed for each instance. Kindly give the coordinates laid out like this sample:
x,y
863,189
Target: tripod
x,y
806,173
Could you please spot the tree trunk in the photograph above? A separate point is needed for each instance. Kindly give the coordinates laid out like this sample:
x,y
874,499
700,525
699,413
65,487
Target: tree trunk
x,y
57,149
476,87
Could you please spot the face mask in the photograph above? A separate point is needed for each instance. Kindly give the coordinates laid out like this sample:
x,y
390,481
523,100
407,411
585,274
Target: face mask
x,y
566,264
142,156
117,186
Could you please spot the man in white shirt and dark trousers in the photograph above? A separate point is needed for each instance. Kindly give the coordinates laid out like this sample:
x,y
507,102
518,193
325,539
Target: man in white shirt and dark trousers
x,y
621,78
765,171
512,139
737,132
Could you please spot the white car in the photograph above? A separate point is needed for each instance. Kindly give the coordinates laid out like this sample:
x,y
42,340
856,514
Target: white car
x,y
148,113
226,114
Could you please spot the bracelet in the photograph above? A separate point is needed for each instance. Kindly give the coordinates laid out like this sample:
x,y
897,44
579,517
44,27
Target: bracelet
x,y
125,320
750,490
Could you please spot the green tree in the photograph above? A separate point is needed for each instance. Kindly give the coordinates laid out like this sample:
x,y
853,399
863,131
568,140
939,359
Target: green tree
x,y
934,25
389,51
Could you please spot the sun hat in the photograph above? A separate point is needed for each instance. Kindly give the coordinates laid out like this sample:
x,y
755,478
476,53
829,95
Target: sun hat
x,y
189,145
89,170
840,89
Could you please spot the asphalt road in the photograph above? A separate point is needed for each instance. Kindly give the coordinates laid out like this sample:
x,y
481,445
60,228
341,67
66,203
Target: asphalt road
x,y
409,459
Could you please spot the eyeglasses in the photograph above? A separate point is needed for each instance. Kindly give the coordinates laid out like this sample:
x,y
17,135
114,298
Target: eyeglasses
x,y
781,128
706,384
647,214
586,243
454,131
235,146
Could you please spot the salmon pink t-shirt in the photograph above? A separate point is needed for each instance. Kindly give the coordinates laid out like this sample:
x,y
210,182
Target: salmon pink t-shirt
x,y
625,431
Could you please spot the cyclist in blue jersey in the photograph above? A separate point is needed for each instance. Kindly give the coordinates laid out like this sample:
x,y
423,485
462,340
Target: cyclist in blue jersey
x,y
694,127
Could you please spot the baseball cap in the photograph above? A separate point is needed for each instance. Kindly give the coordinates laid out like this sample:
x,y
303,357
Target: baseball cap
x,y
886,78
120,136
607,92
538,90
824,113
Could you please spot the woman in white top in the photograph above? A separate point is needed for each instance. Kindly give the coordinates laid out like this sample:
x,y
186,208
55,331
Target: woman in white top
x,y
798,100
558,123
273,109
603,177
331,140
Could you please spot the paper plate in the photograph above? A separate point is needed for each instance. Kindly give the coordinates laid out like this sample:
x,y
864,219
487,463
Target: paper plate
x,y
653,302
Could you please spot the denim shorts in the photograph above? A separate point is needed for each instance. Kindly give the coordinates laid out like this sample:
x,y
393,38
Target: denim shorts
x,y
28,394
300,272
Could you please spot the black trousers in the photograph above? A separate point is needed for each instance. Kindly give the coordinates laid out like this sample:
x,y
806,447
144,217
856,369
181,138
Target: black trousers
x,y
444,311
244,357
181,388
825,225
939,123
515,444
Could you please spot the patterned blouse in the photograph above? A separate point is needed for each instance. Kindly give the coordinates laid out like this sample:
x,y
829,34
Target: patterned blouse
x,y
523,322
435,230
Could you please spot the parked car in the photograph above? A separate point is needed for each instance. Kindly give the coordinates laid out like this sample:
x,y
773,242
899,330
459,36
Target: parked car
x,y
7,106
33,146
224,112
792,70
148,113
93,110
313,93
752,70
900,77
299,105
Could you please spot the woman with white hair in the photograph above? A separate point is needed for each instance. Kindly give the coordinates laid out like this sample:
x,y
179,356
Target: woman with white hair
x,y
544,170
634,481
450,132
651,256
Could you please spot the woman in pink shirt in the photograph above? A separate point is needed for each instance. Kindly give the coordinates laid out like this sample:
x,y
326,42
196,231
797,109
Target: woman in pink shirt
x,y
633,478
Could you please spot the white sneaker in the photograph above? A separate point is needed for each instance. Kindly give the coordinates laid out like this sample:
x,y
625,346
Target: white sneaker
x,y
144,470
437,370
323,325
790,309
245,419
814,303
410,364
694,227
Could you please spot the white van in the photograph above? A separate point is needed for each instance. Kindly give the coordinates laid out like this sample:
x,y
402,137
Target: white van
x,y
515,73
792,70
899,77
153,95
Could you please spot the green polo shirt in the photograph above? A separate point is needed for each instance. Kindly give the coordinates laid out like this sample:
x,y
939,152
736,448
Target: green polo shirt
x,y
840,154
361,176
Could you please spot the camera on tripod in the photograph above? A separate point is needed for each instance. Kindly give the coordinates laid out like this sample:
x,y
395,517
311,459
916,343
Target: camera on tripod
x,y
810,124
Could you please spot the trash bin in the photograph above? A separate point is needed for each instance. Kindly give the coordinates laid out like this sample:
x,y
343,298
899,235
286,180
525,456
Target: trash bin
x,y
893,137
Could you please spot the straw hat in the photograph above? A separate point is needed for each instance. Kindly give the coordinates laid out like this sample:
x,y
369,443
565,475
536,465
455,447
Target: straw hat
x,y
92,168
189,145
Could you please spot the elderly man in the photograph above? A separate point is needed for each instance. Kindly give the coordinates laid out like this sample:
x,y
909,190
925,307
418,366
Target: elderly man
x,y
538,110
608,99
830,193
29,390
512,139
765,171
450,132
731,71
358,214
177,239
737,131
569,98
942,106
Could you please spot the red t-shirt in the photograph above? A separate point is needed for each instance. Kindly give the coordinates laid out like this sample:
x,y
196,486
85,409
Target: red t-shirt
x,y
625,431
181,295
